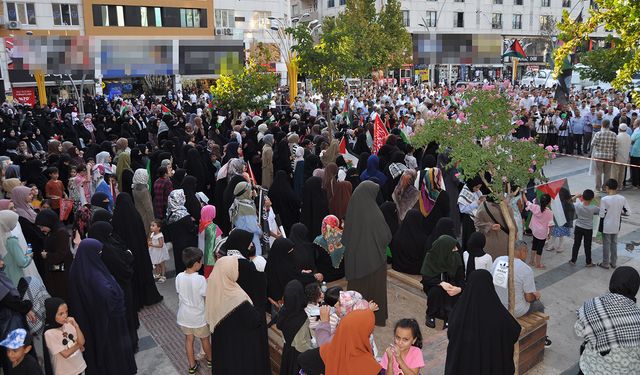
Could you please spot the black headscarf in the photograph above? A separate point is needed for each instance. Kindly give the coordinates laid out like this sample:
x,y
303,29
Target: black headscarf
x,y
315,206
292,316
195,168
100,199
178,178
481,331
444,226
192,204
51,306
390,213
230,153
284,200
311,163
280,268
50,219
475,248
407,245
239,240
303,253
625,281
101,215
136,159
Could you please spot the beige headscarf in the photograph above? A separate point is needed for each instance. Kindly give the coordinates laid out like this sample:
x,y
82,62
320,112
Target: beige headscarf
x,y
223,292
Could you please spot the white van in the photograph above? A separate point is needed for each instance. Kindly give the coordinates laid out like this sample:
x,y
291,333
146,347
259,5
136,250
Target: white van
x,y
540,78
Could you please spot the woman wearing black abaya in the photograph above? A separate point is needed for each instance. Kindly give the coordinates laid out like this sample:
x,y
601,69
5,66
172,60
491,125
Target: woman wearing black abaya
x,y
304,252
195,168
192,204
252,281
180,229
366,236
284,200
390,213
407,246
433,200
119,261
178,178
481,333
99,307
443,227
281,268
127,224
282,157
311,163
292,318
56,253
234,323
314,206
442,279
452,187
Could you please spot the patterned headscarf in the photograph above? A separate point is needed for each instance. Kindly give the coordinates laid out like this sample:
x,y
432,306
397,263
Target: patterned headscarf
x,y
140,177
351,300
432,185
175,206
331,238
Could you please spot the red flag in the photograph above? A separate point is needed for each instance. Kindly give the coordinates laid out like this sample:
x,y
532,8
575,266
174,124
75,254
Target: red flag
x,y
380,135
251,175
164,109
343,145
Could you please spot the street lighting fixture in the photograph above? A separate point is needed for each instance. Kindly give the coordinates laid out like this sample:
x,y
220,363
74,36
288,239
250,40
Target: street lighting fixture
x,y
313,22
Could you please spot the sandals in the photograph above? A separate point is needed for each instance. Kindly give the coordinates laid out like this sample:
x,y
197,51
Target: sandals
x,y
192,370
602,265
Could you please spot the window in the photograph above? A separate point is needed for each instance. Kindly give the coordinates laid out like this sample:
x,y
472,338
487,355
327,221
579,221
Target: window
x,y
158,14
104,10
225,18
331,3
546,3
566,3
405,18
458,19
65,14
546,23
431,19
144,19
25,13
496,21
294,9
517,2
262,20
516,22
499,2
189,18
458,1
120,14
343,2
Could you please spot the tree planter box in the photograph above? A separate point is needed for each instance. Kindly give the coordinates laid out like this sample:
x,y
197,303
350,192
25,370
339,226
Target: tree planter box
x,y
532,336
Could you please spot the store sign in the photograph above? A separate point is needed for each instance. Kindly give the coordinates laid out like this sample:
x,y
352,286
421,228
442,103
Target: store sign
x,y
25,95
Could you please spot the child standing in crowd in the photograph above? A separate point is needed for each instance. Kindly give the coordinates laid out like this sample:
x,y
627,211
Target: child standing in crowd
x,y
158,251
560,232
192,288
584,225
19,344
404,356
208,236
612,207
54,189
64,340
541,221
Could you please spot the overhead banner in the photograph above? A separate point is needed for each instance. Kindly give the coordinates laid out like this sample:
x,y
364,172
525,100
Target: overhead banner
x,y
25,95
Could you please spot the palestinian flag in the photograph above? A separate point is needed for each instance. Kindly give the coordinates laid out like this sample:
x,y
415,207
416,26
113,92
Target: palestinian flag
x,y
515,50
345,112
553,189
164,109
343,145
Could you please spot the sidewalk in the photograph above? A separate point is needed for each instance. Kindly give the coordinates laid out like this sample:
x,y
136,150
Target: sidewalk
x,y
564,288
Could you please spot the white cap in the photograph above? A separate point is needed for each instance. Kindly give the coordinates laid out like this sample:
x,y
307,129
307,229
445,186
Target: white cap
x,y
623,127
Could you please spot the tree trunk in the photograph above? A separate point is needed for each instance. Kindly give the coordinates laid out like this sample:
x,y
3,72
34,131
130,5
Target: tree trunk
x,y
506,214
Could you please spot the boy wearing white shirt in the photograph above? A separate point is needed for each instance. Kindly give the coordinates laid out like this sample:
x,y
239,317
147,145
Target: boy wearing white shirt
x,y
612,207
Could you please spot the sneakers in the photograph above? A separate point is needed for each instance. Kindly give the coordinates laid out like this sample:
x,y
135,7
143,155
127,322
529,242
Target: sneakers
x,y
161,280
192,370
603,265
209,364
590,265
547,342
572,263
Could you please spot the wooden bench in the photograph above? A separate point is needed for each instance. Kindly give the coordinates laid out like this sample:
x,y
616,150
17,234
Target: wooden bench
x,y
275,349
532,337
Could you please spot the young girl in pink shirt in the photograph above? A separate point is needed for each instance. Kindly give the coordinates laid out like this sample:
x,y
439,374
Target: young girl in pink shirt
x,y
404,357
541,222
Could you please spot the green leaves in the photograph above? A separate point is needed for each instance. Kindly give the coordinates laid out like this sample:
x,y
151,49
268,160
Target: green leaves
x,y
603,64
246,90
480,142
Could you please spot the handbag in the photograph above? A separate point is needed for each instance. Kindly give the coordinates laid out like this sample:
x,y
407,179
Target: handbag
x,y
66,206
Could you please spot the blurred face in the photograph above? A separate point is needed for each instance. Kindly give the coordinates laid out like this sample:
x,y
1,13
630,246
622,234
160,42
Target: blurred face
x,y
17,355
403,338
44,229
154,228
62,314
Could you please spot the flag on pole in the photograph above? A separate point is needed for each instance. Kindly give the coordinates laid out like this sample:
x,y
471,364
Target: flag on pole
x,y
343,145
345,112
515,50
251,175
165,109
380,135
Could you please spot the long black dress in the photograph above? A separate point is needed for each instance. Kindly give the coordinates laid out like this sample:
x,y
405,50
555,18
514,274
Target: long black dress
x,y
227,200
59,257
281,268
127,224
233,342
182,233
315,206
407,245
285,201
290,320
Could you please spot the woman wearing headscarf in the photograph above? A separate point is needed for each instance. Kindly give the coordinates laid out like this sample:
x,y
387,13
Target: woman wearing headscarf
x,y
208,236
284,200
405,195
298,171
12,171
481,332
124,163
267,161
372,172
142,197
331,250
120,262
137,161
610,327
233,322
407,246
311,163
26,221
304,252
234,175
366,236
127,224
15,259
243,213
294,324
282,157
56,254
442,279
230,152
390,213
281,268
489,221
474,257
22,197
444,226
450,185
469,200
348,353
433,200
192,204
99,307
314,206
180,228
194,168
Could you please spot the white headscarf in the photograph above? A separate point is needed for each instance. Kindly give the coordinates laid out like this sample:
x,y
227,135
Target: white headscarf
x,y
175,206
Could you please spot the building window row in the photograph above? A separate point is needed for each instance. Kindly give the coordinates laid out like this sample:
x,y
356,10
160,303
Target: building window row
x,y
545,3
25,13
137,16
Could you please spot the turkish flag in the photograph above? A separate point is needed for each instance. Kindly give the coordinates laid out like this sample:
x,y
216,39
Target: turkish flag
x,y
380,135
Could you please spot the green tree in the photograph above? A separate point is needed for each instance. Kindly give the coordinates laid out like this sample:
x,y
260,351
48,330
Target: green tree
x,y
602,64
481,144
621,16
246,90
396,41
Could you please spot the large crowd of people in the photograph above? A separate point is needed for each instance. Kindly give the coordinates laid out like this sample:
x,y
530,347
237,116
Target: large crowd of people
x,y
259,210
